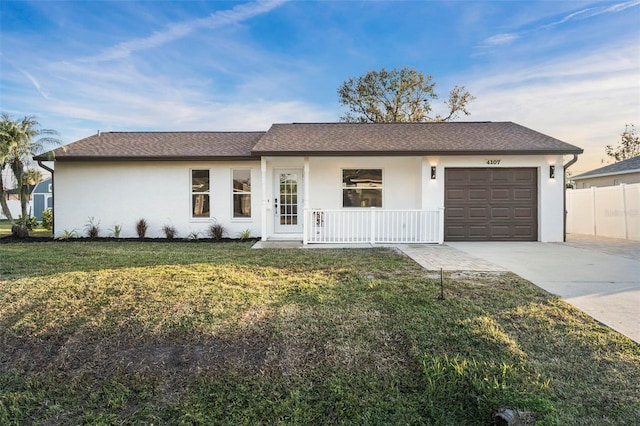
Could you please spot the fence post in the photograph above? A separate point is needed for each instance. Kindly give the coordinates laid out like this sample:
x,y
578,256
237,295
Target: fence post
x,y
593,204
623,188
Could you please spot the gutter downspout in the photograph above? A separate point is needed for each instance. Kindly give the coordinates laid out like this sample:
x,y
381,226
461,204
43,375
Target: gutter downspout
x,y
50,170
564,197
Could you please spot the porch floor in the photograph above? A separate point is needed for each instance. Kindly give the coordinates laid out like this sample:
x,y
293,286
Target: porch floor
x,y
296,244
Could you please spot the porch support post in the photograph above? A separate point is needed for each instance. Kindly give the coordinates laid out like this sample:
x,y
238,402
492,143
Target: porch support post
x,y
441,225
425,176
305,210
265,201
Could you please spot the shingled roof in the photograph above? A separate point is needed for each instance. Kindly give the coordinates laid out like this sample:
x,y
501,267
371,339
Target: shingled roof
x,y
159,146
460,138
629,165
457,138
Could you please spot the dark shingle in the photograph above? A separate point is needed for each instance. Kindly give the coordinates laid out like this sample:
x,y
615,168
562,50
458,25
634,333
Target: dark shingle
x,y
629,165
160,146
318,139
407,138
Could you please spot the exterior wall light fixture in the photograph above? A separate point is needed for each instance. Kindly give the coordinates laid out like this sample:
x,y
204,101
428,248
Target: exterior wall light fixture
x,y
552,172
433,172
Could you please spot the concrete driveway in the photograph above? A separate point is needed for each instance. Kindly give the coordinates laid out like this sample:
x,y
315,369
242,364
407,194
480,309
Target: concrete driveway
x,y
599,276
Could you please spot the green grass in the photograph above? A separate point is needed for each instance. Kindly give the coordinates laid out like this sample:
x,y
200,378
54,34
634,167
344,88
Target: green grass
x,y
5,230
201,333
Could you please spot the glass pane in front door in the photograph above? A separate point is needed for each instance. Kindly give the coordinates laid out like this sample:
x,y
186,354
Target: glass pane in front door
x,y
286,202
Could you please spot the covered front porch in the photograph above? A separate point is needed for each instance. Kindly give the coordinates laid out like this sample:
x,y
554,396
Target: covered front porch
x,y
349,200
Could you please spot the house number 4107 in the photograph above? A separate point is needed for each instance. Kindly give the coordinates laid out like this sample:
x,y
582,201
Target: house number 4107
x,y
493,162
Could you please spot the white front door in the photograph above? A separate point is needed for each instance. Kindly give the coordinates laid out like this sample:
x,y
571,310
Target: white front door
x,y
288,201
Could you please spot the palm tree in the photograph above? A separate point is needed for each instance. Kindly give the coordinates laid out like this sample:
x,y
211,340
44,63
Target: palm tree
x,y
20,140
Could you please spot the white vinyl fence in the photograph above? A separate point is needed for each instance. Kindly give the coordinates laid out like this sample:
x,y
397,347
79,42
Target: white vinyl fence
x,y
612,211
373,226
15,209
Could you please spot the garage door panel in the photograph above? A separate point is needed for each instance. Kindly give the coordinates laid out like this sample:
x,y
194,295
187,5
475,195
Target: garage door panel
x,y
477,175
501,213
500,175
526,213
500,231
523,194
500,194
477,212
455,213
525,175
455,194
477,231
478,194
485,204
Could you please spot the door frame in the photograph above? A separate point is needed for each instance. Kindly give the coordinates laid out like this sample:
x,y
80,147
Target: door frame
x,y
279,228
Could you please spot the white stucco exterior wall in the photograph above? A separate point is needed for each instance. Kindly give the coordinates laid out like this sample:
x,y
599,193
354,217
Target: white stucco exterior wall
x,y
121,193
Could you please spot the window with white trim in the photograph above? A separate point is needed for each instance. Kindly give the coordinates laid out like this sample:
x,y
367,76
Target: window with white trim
x,y
362,188
241,194
200,194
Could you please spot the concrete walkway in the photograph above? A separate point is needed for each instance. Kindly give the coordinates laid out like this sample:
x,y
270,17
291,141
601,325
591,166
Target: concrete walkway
x,y
599,276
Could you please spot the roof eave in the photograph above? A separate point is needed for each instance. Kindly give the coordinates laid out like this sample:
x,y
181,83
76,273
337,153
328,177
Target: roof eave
x,y
624,172
96,158
411,153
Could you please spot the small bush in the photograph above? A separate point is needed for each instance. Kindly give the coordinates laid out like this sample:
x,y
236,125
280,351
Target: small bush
x,y
116,230
47,219
193,236
244,235
141,228
32,222
92,228
216,231
169,231
68,234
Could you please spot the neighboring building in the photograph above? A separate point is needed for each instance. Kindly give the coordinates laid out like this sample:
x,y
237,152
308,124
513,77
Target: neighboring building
x,y
626,171
42,198
321,182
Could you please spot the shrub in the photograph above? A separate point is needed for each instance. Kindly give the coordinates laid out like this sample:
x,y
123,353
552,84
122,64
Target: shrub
x,y
141,228
32,222
193,236
47,219
244,235
92,228
68,234
169,231
115,231
216,231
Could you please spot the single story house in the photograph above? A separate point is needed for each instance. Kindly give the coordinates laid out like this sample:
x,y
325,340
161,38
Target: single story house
x,y
321,182
626,171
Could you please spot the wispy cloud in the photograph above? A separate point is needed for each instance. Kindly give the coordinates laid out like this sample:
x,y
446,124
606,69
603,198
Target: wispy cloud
x,y
584,99
506,38
500,39
36,84
178,30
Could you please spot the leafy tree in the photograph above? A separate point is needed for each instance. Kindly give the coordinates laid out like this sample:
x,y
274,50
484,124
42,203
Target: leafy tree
x,y
397,95
629,145
20,140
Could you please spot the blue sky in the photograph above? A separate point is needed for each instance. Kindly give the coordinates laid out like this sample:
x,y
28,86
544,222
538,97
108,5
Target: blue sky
x,y
570,69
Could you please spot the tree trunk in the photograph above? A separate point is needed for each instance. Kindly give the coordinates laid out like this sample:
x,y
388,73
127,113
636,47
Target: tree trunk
x,y
3,201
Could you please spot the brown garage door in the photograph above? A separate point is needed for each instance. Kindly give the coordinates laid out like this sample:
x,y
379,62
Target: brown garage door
x,y
491,204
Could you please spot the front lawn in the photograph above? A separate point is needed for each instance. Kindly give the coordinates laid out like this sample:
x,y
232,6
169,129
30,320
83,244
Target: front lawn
x,y
39,231
201,333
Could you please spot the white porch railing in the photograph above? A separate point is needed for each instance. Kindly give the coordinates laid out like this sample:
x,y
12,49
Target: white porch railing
x,y
372,226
